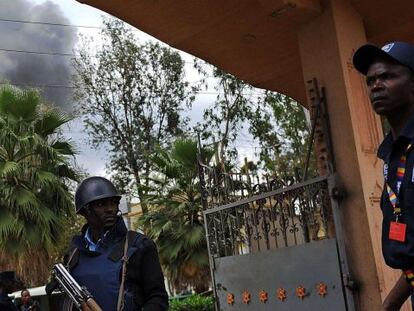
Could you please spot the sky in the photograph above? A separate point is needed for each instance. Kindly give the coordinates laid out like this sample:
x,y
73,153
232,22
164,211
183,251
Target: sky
x,y
37,54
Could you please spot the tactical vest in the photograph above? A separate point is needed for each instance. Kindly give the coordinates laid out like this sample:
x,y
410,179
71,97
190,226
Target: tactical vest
x,y
100,272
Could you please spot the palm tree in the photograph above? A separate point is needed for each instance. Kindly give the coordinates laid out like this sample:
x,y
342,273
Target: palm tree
x,y
174,219
35,172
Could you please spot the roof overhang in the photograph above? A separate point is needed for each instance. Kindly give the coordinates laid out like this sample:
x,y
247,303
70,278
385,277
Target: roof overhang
x,y
256,40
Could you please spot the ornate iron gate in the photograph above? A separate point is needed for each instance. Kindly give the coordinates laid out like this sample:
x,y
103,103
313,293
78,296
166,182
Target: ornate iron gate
x,y
277,245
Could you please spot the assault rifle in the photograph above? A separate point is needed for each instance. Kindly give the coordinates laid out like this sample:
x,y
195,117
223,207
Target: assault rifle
x,y
80,296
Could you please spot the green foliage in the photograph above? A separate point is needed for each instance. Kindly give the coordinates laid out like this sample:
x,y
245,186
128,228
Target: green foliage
x,y
225,118
174,219
35,172
279,124
276,122
192,303
131,96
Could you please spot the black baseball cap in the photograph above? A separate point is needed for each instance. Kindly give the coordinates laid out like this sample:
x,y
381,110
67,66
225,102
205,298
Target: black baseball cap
x,y
400,52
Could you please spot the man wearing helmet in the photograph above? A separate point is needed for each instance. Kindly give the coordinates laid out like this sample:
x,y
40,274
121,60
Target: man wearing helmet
x,y
97,256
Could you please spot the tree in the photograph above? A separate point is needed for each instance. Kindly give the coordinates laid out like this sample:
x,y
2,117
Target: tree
x,y
131,96
174,219
224,119
276,122
280,126
35,173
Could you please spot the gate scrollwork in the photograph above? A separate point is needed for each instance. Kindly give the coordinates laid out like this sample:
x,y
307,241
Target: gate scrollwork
x,y
243,218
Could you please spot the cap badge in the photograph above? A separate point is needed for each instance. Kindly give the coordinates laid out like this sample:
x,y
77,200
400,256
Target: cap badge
x,y
386,48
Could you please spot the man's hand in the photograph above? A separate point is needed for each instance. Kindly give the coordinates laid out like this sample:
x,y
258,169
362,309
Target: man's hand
x,y
397,296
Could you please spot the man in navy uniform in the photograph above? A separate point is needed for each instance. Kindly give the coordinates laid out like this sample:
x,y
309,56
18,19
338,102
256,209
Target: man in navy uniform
x,y
98,253
389,75
7,284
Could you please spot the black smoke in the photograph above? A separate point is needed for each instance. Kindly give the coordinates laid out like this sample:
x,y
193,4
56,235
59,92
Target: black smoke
x,y
22,68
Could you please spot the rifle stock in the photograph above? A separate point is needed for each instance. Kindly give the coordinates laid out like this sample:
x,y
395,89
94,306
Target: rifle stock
x,y
90,305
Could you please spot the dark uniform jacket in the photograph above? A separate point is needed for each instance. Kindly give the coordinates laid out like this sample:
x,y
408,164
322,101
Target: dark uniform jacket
x,y
6,304
399,255
100,270
32,306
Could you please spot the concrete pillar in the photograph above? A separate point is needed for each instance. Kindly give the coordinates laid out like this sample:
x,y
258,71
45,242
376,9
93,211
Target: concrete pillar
x,y
326,46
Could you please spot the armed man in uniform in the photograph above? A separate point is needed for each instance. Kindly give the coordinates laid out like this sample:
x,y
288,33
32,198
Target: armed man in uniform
x,y
120,268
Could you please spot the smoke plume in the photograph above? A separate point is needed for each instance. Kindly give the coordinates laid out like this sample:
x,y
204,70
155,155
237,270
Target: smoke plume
x,y
34,69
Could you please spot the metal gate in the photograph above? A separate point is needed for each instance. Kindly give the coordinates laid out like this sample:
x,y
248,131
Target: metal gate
x,y
277,245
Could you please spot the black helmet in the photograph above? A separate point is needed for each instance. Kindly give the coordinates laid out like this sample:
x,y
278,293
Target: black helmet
x,y
92,189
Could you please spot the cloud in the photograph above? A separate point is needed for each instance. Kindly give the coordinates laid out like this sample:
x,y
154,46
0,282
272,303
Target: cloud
x,y
22,68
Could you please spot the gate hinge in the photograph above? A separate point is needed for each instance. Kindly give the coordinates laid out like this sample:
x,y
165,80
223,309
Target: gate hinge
x,y
349,282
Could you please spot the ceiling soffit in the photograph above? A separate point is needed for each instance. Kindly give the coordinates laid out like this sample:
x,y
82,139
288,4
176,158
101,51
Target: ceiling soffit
x,y
253,39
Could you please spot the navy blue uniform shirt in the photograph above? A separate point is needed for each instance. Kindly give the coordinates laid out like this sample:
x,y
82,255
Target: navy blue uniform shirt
x,y
399,255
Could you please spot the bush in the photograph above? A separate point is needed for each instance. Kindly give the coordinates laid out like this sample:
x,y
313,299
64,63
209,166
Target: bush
x,y
192,303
